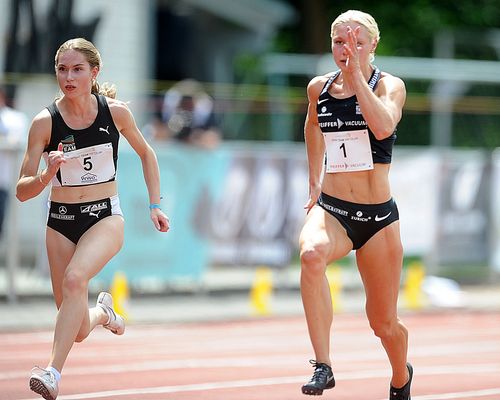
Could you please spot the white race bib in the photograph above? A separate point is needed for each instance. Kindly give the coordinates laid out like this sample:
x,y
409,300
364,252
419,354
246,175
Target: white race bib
x,y
88,166
348,151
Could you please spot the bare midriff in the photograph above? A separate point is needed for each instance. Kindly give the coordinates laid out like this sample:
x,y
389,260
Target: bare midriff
x,y
83,194
362,187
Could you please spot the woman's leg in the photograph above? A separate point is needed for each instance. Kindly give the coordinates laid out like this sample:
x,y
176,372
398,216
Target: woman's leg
x,y
380,263
94,249
322,240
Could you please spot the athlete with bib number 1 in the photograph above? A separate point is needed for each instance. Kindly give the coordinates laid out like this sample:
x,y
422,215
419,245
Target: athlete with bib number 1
x,y
349,133
78,137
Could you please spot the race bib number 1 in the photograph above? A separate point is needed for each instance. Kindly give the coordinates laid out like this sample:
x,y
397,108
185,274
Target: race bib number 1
x,y
88,166
348,151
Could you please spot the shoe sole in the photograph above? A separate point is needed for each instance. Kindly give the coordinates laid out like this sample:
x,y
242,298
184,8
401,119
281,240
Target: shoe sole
x,y
114,331
101,303
316,392
312,392
38,387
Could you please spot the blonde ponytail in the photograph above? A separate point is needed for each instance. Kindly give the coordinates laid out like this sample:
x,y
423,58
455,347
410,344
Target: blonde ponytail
x,y
106,89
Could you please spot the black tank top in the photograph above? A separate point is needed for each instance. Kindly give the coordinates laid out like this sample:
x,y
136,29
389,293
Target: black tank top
x,y
335,115
102,131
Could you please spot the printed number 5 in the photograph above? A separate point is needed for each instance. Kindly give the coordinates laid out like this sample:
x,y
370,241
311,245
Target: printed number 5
x,y
87,165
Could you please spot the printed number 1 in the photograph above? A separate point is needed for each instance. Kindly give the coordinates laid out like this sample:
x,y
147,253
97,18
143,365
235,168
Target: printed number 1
x,y
87,165
342,146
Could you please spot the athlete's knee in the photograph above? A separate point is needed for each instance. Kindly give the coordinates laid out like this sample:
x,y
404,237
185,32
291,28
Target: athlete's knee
x,y
74,282
385,328
313,258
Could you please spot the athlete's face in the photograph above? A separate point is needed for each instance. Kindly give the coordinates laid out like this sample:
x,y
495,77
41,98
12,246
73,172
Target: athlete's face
x,y
351,42
74,74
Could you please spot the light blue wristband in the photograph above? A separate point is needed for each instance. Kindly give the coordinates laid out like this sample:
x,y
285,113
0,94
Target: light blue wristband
x,y
154,205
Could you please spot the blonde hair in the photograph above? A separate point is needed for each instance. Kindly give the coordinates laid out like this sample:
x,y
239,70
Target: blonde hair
x,y
93,57
361,18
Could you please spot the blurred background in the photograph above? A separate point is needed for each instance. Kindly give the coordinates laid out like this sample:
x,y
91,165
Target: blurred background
x,y
218,89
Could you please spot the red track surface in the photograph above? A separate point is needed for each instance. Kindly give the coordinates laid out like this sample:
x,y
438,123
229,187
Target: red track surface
x,y
455,356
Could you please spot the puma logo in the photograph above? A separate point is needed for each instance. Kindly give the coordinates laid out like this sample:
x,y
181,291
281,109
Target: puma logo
x,y
104,130
94,214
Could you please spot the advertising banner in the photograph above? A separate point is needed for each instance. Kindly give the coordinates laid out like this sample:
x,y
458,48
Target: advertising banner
x,y
464,209
242,204
415,189
235,206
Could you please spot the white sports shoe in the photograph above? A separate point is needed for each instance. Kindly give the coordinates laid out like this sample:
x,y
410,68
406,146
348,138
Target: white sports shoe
x,y
116,323
44,383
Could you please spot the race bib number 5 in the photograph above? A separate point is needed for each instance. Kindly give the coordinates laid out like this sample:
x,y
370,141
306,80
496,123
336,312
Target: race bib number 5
x,y
88,166
348,151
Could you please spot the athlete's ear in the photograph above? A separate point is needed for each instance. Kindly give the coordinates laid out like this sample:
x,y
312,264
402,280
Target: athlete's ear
x,y
59,147
95,72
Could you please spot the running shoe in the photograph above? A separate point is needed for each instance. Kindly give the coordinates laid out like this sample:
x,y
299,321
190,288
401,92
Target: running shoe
x,y
322,379
404,392
44,383
116,323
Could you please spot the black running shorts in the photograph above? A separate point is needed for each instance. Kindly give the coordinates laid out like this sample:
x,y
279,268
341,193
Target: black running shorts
x,y
72,220
361,221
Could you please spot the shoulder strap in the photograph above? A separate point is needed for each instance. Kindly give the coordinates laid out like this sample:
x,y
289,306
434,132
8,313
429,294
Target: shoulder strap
x,y
54,111
104,110
374,78
58,126
330,81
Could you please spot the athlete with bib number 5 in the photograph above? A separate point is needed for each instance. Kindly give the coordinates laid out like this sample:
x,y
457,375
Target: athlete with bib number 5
x,y
351,119
78,135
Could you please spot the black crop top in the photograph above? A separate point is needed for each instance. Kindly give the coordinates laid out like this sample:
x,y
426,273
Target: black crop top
x,y
102,131
335,115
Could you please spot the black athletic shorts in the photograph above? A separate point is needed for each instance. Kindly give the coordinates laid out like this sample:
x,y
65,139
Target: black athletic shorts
x,y
361,221
72,220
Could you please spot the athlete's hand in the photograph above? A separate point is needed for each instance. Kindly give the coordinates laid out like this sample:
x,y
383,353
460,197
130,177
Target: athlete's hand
x,y
55,159
314,192
160,220
351,48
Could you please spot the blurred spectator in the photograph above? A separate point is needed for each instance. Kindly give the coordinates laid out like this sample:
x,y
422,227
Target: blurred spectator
x,y
187,115
13,131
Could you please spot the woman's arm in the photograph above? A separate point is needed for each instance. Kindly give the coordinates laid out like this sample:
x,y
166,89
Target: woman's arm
x,y
125,123
31,183
382,109
315,144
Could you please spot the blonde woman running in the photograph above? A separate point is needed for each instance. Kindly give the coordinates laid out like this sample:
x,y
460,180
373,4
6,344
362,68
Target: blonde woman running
x,y
352,118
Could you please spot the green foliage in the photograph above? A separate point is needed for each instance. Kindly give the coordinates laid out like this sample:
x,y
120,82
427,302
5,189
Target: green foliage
x,y
408,27
411,28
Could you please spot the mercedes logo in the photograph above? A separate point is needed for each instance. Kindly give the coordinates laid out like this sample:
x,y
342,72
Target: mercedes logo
x,y
63,210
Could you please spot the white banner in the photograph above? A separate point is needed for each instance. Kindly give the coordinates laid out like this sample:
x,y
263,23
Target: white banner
x,y
415,188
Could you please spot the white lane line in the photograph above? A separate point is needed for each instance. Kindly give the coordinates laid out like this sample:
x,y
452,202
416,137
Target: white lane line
x,y
209,362
281,350
357,375
185,388
458,395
